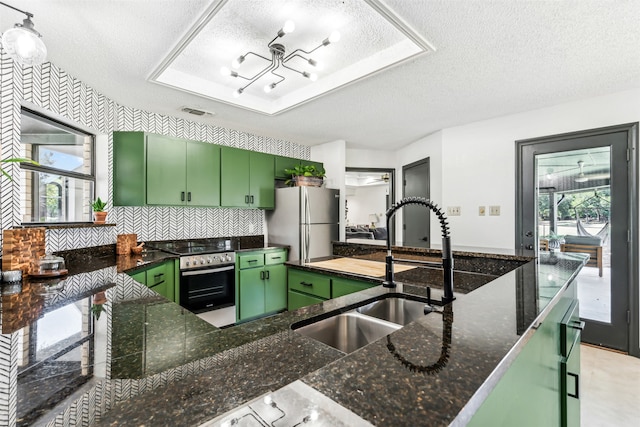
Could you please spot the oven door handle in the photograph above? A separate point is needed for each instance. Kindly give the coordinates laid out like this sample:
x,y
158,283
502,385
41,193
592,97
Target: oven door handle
x,y
213,270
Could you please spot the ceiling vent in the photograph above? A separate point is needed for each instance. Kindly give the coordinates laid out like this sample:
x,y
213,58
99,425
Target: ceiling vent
x,y
196,111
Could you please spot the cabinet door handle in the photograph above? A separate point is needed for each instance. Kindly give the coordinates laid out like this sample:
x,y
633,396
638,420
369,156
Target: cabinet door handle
x,y
276,257
262,275
576,379
577,324
253,260
246,199
189,196
267,273
182,196
306,284
251,199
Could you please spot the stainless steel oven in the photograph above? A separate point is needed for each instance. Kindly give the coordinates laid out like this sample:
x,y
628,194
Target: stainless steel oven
x,y
207,272
206,282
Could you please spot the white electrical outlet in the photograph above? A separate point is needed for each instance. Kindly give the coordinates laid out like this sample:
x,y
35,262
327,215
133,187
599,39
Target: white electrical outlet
x,y
482,210
453,210
494,210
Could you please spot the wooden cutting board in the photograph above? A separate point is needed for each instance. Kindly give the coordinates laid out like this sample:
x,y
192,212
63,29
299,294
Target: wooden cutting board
x,y
358,266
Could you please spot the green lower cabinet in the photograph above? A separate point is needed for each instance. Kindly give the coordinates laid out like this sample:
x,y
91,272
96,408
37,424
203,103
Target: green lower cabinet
x,y
161,279
261,283
307,287
530,392
341,286
275,288
298,300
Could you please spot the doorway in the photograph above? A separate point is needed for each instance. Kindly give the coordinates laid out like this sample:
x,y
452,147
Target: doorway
x,y
415,225
369,194
575,193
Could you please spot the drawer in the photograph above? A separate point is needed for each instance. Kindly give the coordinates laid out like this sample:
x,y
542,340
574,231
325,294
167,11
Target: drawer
x,y
273,258
310,283
156,275
570,329
297,300
250,260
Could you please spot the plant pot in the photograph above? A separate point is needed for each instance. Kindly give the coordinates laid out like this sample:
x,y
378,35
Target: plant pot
x,y
308,181
99,217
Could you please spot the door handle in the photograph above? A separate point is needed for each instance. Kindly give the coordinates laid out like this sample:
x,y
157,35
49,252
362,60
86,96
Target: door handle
x,y
576,379
182,196
267,273
251,199
262,275
246,199
189,196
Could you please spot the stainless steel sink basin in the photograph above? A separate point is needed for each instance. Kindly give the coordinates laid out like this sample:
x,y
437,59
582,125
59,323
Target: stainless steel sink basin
x,y
397,310
348,331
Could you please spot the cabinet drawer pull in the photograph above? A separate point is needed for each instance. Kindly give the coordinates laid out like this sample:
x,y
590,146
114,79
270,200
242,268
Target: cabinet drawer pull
x,y
182,196
276,257
577,324
157,276
253,260
306,284
576,379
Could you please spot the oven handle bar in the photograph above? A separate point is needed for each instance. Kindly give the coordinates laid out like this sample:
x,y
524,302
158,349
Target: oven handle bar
x,y
213,270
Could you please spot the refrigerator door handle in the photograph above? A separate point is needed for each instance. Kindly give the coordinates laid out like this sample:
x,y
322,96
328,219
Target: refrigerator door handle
x,y
307,219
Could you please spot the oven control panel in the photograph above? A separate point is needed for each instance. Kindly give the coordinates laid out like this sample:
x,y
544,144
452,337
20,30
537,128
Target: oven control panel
x,y
191,262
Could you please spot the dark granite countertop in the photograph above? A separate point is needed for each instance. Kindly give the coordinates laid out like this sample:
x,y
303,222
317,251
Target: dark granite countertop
x,y
146,349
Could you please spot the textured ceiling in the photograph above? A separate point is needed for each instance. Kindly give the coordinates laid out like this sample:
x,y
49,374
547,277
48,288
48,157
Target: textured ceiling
x,y
493,58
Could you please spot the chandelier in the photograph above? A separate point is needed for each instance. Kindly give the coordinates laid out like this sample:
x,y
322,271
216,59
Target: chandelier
x,y
22,42
279,58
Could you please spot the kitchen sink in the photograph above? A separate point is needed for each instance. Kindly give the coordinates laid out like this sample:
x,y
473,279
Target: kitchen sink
x,y
365,324
348,331
397,310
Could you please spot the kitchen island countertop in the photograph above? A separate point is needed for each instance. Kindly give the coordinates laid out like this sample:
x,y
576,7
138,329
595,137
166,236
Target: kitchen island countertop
x,y
202,371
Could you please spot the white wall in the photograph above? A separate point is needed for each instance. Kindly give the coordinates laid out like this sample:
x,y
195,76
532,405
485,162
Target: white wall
x,y
366,200
333,155
478,161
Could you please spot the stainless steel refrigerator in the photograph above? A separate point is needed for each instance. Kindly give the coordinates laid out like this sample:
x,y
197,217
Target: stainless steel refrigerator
x,y
305,218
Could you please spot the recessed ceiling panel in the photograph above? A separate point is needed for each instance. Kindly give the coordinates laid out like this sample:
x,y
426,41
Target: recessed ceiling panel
x,y
372,38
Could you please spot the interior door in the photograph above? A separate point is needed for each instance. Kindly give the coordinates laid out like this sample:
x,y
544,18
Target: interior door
x,y
576,187
416,219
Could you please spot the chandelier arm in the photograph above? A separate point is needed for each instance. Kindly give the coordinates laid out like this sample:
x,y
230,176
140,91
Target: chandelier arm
x,y
273,66
297,54
258,55
30,15
282,78
292,69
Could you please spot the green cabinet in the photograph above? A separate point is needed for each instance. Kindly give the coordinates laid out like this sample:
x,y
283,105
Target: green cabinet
x,y
159,170
261,283
161,278
247,179
541,385
307,287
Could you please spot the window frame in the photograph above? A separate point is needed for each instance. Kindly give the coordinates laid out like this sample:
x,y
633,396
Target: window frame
x,y
91,177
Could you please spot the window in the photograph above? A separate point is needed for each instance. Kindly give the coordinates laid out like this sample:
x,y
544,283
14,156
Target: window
x,y
61,187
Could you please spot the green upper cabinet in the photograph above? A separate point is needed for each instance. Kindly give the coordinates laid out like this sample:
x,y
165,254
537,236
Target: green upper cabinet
x,y
159,170
282,163
247,179
166,171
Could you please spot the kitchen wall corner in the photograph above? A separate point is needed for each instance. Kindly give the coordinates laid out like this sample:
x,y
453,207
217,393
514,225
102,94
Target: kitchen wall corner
x,y
48,88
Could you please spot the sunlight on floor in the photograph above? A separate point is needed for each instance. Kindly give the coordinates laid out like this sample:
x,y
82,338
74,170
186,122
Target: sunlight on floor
x,y
610,386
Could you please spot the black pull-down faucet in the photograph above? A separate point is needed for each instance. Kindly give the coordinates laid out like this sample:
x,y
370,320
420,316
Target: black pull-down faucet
x,y
447,257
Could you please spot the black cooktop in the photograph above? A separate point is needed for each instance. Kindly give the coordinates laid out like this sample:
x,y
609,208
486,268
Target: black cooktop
x,y
192,247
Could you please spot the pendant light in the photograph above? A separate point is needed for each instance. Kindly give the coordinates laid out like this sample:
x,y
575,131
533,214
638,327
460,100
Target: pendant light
x,y
23,43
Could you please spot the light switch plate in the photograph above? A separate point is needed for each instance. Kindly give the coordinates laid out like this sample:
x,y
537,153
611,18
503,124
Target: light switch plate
x,y
453,210
494,210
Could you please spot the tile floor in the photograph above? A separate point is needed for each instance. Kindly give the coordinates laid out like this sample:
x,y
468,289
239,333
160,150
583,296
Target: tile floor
x,y
610,383
221,317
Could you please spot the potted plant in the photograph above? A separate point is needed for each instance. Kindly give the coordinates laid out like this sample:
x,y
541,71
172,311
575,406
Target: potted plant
x,y
305,175
99,215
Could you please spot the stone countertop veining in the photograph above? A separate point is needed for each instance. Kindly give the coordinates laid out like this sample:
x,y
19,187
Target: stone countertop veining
x,y
147,349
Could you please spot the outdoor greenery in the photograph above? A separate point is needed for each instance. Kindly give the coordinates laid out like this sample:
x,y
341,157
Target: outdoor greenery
x,y
591,205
